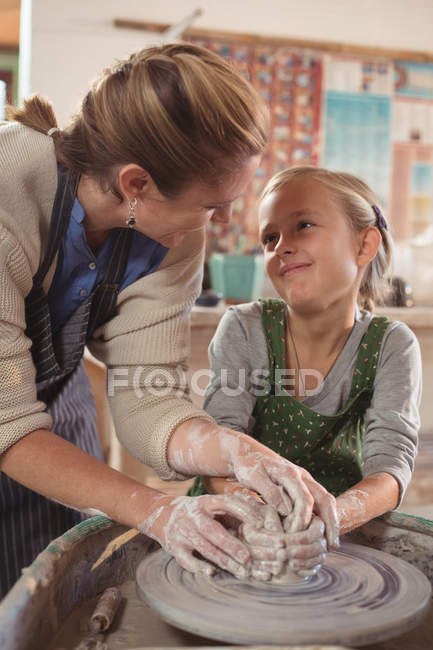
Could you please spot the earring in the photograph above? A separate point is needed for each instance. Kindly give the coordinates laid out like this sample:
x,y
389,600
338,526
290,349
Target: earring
x,y
130,222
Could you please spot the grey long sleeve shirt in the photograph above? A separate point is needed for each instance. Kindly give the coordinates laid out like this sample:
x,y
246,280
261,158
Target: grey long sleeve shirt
x,y
238,355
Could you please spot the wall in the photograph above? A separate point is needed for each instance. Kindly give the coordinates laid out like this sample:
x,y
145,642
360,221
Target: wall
x,y
72,42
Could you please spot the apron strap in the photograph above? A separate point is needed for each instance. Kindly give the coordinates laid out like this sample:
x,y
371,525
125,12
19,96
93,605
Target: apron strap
x,y
368,356
60,215
274,327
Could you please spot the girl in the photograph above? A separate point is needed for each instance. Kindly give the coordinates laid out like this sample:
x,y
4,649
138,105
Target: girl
x,y
102,243
315,376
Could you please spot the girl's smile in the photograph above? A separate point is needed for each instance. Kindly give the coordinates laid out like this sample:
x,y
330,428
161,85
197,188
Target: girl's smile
x,y
290,269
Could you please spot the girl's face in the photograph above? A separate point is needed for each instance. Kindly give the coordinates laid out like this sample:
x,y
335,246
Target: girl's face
x,y
168,220
311,253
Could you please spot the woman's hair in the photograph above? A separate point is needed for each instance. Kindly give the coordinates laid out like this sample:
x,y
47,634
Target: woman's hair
x,y
179,111
356,200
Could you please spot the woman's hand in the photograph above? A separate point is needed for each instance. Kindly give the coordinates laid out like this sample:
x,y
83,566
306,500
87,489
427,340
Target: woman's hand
x,y
183,525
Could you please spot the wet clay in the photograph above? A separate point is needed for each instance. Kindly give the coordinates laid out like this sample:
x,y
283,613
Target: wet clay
x,y
285,576
360,596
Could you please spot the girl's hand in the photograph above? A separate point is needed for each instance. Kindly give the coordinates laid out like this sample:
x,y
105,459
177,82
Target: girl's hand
x,y
307,549
271,549
183,525
276,478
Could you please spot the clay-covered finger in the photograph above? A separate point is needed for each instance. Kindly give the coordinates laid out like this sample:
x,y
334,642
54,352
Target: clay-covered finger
x,y
272,521
300,496
326,508
306,551
307,563
274,568
216,555
261,481
186,560
263,576
265,553
250,497
272,495
240,508
310,572
313,534
302,513
213,532
262,537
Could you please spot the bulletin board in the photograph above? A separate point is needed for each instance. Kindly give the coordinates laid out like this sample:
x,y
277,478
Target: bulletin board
x,y
368,114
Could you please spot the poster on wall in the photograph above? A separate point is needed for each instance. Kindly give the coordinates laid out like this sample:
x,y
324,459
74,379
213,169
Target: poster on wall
x,y
357,121
414,79
412,150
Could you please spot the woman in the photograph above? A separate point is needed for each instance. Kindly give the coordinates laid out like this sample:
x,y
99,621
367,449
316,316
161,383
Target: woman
x,y
102,229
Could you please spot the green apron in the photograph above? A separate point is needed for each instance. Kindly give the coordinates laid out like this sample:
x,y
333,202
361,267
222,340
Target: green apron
x,y
328,446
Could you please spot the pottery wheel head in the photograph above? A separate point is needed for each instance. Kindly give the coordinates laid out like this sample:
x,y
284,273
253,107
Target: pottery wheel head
x,y
360,596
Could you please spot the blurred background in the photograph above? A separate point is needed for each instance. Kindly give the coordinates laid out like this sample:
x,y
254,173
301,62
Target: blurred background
x,y
349,85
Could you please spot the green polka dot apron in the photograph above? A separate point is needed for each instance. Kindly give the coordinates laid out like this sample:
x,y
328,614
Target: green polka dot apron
x,y
329,447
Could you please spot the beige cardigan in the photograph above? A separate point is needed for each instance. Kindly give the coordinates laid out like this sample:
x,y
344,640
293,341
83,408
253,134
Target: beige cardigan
x,y
149,332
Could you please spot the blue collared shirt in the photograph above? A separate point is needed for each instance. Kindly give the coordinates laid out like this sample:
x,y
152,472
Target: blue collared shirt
x,y
79,270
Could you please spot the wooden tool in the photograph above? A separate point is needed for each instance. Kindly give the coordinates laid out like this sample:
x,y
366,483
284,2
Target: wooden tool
x,y
101,620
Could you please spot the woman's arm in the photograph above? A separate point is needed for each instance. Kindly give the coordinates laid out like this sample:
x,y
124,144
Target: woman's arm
x,y
145,348
45,463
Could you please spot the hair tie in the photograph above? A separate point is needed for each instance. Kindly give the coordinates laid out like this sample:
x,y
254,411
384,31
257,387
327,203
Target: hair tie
x,y
380,219
53,129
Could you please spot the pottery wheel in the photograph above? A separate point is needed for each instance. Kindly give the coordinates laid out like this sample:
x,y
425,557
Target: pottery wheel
x,y
360,596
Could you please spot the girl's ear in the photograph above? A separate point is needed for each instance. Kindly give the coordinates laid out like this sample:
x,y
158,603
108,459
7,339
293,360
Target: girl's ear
x,y
368,245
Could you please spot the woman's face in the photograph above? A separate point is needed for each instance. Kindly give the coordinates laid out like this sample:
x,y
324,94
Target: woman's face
x,y
310,250
168,220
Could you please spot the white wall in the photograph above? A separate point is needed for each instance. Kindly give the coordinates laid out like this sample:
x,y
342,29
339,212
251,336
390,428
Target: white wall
x,y
74,40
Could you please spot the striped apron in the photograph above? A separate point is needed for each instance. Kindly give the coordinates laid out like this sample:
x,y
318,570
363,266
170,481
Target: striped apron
x,y
28,521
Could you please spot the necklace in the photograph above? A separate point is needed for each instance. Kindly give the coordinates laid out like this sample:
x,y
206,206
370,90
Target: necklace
x,y
292,338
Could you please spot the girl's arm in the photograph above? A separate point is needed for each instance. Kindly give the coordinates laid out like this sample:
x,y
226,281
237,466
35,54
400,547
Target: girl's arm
x,y
371,497
390,439
392,419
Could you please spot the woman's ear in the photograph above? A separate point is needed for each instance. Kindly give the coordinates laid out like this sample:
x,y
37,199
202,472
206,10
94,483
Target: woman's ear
x,y
133,181
368,245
